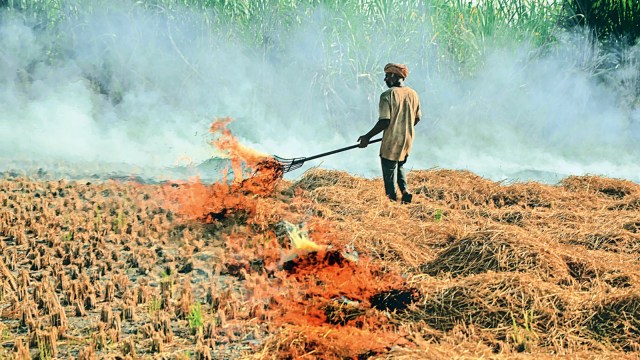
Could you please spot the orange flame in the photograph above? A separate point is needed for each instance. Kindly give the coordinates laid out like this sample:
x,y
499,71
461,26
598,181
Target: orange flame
x,y
266,170
301,297
198,201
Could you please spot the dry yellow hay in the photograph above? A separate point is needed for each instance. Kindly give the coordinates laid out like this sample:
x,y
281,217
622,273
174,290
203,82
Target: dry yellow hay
x,y
499,303
497,250
501,271
616,319
604,187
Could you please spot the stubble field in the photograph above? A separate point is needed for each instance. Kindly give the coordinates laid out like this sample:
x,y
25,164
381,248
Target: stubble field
x,y
323,267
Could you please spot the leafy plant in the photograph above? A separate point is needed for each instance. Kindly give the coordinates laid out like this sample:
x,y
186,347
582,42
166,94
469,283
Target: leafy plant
x,y
438,215
154,304
524,335
195,318
68,236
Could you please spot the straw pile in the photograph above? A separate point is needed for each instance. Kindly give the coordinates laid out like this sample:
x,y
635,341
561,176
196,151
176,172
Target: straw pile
x,y
496,250
322,267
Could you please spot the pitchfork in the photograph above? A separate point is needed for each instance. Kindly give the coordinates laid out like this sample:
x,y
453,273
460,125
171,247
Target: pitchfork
x,y
292,164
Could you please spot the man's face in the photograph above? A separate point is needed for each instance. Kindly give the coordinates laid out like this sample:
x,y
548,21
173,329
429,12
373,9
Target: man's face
x,y
390,79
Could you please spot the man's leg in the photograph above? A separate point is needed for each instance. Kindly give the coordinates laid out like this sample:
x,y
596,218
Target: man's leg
x,y
402,182
388,174
402,178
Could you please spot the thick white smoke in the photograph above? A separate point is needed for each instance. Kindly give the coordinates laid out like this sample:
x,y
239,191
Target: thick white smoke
x,y
120,85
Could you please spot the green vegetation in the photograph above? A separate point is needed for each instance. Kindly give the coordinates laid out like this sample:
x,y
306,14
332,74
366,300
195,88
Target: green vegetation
x,y
119,224
438,215
45,351
5,334
68,236
461,28
524,335
97,220
606,18
154,305
195,318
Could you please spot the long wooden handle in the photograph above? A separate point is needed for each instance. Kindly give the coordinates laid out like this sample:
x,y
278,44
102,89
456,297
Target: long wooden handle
x,y
297,161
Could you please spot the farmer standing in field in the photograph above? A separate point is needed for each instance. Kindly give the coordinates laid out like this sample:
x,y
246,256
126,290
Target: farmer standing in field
x,y
399,113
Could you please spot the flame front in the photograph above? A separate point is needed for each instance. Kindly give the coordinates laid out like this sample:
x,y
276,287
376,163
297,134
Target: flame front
x,y
254,174
232,148
306,287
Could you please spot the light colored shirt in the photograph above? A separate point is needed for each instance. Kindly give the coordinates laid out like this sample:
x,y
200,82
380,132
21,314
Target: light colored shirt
x,y
401,105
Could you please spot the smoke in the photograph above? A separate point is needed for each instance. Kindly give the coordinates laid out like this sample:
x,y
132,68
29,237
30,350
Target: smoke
x,y
546,114
119,87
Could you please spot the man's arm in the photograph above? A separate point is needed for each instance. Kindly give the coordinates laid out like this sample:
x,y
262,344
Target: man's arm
x,y
377,128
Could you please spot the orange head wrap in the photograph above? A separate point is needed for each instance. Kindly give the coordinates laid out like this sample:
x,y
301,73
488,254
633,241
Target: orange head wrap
x,y
398,69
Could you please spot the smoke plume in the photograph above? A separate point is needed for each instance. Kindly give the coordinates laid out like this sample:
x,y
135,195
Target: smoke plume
x,y
119,87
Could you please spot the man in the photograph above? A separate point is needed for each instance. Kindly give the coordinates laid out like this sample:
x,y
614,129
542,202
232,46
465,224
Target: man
x,y
399,113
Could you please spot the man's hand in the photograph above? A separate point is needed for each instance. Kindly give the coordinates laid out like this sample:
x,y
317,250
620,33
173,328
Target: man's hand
x,y
377,128
364,141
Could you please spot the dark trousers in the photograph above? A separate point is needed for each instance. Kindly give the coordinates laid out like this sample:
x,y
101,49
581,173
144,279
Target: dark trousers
x,y
393,171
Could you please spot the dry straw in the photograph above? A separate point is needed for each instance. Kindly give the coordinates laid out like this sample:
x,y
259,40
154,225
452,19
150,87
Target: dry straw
x,y
472,268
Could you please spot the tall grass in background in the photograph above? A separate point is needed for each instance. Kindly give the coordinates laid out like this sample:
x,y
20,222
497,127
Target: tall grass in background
x,y
437,35
461,27
46,13
606,18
